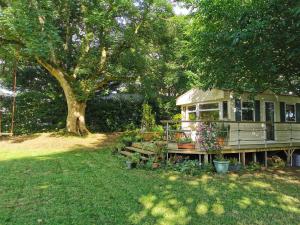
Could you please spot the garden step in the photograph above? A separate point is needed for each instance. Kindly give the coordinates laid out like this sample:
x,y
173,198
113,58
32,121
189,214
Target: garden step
x,y
147,146
142,151
131,153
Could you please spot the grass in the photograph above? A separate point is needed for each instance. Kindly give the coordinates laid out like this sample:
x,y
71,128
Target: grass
x,y
49,179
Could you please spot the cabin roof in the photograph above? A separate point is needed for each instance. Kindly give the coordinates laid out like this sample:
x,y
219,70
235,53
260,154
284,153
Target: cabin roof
x,y
196,95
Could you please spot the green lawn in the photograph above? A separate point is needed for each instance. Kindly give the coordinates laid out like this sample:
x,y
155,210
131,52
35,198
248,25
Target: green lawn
x,y
87,186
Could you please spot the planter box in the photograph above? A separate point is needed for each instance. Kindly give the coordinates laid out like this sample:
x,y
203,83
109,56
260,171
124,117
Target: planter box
x,y
186,146
221,166
235,168
221,141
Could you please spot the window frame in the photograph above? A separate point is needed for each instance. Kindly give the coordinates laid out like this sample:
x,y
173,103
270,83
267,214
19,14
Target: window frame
x,y
209,110
191,111
295,112
253,111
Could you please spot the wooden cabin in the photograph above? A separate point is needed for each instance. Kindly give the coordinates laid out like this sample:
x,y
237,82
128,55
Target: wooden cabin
x,y
265,119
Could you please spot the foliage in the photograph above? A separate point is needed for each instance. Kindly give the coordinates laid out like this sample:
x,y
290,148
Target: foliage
x,y
128,137
207,137
222,130
276,162
86,45
177,121
246,46
135,158
253,166
220,157
148,118
184,140
189,167
234,161
116,148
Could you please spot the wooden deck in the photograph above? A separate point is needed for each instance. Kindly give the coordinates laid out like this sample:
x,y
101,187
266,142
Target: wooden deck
x,y
240,150
172,148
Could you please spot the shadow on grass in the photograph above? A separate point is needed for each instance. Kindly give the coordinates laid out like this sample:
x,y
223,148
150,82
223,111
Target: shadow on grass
x,y
19,139
84,186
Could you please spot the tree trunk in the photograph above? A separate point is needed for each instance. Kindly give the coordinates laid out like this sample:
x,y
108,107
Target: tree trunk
x,y
76,109
76,117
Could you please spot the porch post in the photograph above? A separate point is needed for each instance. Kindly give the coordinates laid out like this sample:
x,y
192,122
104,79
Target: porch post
x,y
244,158
254,157
206,158
266,159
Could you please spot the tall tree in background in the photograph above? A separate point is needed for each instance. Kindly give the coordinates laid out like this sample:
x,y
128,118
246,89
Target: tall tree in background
x,y
247,45
84,45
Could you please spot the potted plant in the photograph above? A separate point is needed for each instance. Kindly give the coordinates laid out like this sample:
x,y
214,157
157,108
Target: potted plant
x,y
221,164
150,130
177,125
133,160
185,143
207,139
222,134
234,165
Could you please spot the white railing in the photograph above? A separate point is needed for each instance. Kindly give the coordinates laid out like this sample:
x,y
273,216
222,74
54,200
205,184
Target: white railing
x,y
238,133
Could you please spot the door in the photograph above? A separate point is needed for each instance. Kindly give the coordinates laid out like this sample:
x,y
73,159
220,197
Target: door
x,y
270,131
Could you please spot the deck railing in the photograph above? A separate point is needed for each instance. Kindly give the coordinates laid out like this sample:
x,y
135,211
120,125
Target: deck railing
x,y
239,133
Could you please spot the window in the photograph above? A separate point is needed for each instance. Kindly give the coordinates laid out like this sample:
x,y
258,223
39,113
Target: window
x,y
225,110
247,111
209,111
290,115
192,113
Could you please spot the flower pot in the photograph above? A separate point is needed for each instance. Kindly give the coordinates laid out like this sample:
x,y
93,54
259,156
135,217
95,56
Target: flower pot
x,y
221,166
186,146
149,136
130,164
221,141
179,135
235,167
155,165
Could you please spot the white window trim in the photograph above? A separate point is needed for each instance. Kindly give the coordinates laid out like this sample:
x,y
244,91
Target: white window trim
x,y
295,108
209,110
247,108
191,111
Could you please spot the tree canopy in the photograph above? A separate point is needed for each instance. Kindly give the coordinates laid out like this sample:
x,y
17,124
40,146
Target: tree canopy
x,y
85,45
246,45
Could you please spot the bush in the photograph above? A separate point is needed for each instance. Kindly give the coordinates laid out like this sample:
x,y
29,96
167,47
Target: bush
x,y
276,162
253,166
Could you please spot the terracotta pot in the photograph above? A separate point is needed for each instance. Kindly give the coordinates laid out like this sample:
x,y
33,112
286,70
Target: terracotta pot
x,y
178,135
186,146
221,141
155,165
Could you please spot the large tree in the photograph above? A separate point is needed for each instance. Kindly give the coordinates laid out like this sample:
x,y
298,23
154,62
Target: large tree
x,y
84,44
247,45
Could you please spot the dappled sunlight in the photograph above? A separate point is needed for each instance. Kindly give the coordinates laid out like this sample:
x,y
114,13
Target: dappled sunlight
x,y
218,209
202,209
169,212
260,184
245,202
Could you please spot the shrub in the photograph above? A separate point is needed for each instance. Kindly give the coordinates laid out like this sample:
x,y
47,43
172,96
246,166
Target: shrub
x,y
253,166
276,162
148,118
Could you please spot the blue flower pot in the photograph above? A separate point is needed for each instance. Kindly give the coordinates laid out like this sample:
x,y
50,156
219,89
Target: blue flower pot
x,y
221,166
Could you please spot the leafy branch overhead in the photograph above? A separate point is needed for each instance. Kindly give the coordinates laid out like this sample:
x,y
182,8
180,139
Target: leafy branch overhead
x,y
249,45
85,45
